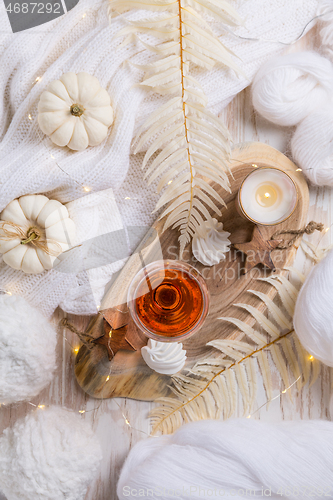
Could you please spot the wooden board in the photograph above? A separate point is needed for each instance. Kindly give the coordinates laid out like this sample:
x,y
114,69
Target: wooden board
x,y
127,375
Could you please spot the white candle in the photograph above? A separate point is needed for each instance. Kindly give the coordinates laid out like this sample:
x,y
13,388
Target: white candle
x,y
267,196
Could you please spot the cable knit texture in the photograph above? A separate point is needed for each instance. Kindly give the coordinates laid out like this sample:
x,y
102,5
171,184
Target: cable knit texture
x,y
30,163
51,454
27,350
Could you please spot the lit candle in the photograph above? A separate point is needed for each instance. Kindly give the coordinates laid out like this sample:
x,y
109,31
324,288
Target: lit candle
x,y
267,196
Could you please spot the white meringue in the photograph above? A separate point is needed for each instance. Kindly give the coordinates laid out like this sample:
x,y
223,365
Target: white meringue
x,y
211,244
167,358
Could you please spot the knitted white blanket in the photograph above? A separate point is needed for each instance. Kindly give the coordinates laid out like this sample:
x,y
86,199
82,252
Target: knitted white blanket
x,y
83,40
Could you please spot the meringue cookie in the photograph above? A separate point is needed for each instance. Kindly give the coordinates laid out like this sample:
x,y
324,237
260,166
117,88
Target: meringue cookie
x,y
167,358
211,244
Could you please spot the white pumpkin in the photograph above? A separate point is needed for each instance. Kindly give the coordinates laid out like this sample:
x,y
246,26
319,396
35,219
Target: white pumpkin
x,y
75,111
40,230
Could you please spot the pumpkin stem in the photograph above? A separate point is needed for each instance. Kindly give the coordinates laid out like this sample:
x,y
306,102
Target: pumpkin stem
x,y
77,110
32,234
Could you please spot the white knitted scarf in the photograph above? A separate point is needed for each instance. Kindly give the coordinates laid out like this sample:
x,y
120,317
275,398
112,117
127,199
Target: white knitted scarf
x,y
30,163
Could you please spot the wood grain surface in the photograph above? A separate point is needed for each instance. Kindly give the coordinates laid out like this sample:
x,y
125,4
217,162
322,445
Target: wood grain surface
x,y
108,417
127,375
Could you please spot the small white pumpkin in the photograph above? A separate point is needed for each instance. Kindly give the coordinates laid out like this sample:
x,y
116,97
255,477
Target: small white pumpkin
x,y
33,232
75,111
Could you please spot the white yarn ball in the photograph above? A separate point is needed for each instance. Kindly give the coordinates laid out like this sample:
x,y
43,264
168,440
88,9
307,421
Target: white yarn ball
x,y
326,28
290,87
225,459
313,317
51,454
27,350
312,146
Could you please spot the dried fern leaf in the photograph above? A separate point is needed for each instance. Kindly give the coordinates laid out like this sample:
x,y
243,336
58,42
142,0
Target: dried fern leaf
x,y
264,322
251,367
243,384
213,385
292,361
192,145
232,348
278,315
281,366
303,357
253,334
287,301
266,374
316,369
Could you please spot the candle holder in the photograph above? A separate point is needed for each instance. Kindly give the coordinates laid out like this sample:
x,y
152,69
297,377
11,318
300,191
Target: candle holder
x,y
168,300
267,196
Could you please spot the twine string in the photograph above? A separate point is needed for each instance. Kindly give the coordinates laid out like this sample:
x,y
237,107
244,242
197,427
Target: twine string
x,y
34,236
82,336
309,229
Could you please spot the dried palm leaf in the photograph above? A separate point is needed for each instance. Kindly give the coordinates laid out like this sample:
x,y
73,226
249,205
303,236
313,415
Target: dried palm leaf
x,y
212,385
192,145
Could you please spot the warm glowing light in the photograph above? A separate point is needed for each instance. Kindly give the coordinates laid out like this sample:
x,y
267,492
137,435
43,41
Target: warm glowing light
x,y
38,79
326,230
311,358
98,307
52,156
283,392
76,350
127,198
267,195
41,407
9,293
84,15
127,422
30,117
108,378
86,189
254,165
249,416
169,182
82,411
298,170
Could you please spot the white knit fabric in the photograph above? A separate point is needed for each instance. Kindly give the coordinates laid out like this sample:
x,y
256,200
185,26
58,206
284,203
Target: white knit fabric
x,y
51,454
30,163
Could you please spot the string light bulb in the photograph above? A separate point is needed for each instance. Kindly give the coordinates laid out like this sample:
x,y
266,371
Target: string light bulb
x,y
41,407
29,116
311,358
38,79
84,15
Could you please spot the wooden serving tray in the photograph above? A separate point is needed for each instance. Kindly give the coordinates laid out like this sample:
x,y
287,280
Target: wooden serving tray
x,y
127,375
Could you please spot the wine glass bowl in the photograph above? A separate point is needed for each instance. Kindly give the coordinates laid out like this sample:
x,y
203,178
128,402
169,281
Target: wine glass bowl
x,y
168,300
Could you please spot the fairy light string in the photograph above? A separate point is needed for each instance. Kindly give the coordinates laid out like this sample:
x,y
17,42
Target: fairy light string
x,y
88,189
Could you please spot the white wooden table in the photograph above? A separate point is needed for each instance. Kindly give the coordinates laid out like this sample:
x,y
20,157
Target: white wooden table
x,y
108,417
